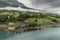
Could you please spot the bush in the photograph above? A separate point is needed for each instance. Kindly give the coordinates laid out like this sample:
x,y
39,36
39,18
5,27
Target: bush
x,y
54,20
32,24
11,18
3,18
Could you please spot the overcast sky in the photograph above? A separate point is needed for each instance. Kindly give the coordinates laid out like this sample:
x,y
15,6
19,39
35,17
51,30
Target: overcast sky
x,y
47,5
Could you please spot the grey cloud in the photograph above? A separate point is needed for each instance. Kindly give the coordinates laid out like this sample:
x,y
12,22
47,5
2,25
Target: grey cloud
x,y
52,3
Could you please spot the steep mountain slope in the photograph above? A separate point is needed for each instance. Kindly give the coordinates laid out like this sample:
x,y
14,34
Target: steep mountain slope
x,y
13,3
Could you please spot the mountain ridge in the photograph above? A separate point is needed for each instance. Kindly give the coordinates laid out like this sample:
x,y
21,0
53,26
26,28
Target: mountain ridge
x,y
14,3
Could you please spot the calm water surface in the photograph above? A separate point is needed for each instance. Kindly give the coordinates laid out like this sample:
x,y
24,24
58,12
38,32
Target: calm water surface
x,y
45,34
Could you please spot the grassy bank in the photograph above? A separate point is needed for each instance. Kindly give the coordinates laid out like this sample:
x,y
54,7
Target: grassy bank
x,y
39,20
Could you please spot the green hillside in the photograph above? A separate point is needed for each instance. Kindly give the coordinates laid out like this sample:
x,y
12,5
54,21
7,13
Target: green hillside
x,y
13,3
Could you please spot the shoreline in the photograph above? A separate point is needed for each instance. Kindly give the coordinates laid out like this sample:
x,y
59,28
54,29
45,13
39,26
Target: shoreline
x,y
27,21
26,29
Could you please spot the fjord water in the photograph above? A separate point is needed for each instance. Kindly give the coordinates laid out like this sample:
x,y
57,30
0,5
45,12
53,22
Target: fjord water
x,y
44,34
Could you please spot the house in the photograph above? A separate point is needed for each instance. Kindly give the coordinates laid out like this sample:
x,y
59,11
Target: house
x,y
11,28
11,23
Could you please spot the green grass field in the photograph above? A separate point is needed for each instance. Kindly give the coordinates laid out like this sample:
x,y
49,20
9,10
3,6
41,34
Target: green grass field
x,y
39,20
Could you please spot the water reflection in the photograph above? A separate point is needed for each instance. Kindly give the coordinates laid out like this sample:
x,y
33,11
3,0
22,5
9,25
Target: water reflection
x,y
45,34
4,35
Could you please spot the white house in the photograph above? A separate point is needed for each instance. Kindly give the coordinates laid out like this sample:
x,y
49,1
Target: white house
x,y
11,23
11,28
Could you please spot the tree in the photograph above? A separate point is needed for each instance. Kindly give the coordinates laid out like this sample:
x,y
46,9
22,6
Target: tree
x,y
54,20
41,16
3,18
11,18
32,24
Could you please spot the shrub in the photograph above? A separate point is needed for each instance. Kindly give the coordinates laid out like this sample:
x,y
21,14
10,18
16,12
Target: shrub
x,y
3,18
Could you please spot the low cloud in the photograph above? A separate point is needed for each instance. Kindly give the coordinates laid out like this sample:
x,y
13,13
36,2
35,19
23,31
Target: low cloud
x,y
46,5
52,3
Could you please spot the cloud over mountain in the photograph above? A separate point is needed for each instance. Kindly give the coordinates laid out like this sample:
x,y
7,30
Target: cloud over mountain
x,y
47,5
52,3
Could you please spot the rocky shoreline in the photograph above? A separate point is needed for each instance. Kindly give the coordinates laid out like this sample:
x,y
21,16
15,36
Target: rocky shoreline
x,y
21,29
12,29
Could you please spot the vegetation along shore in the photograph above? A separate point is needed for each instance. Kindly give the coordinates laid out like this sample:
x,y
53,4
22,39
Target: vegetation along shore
x,y
27,21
